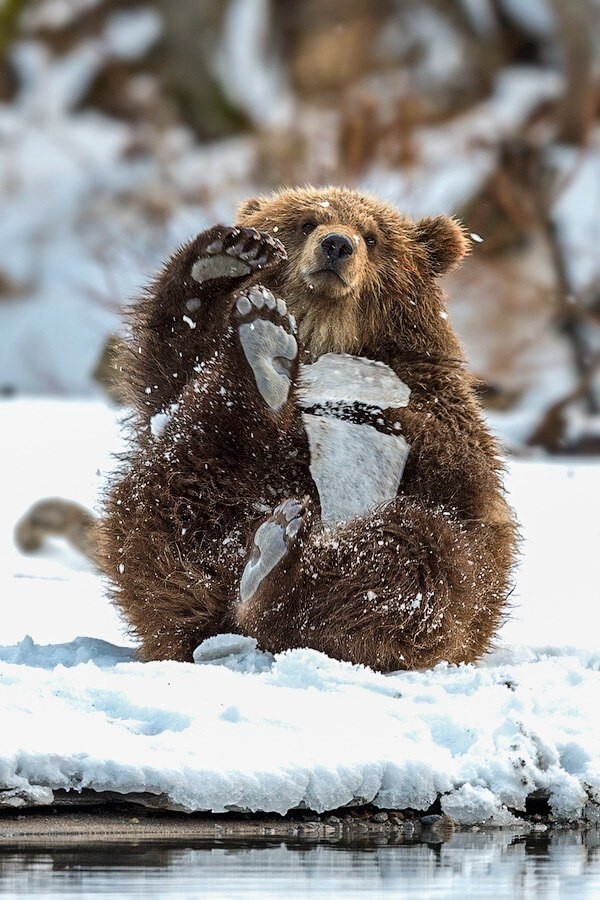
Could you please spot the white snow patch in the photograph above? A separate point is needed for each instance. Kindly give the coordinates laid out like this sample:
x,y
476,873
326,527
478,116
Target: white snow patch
x,y
55,13
577,212
160,420
355,467
470,805
535,16
341,378
131,33
265,96
233,651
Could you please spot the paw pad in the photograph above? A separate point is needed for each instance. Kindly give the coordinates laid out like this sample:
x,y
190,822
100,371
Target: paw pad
x,y
264,331
272,541
237,251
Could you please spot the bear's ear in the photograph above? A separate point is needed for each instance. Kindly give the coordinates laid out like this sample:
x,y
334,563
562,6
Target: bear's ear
x,y
249,207
445,242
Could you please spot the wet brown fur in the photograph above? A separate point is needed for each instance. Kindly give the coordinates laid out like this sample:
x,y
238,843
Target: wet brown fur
x,y
421,579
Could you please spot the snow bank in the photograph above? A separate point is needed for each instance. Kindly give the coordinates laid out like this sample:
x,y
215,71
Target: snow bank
x,y
308,730
242,729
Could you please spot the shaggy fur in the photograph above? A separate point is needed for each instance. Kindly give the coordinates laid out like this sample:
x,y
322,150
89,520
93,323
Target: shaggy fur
x,y
419,579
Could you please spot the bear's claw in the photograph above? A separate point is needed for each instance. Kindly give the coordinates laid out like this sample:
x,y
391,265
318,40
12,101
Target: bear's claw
x,y
257,248
235,252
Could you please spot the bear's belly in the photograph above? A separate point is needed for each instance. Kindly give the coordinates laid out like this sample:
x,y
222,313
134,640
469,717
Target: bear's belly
x,y
355,466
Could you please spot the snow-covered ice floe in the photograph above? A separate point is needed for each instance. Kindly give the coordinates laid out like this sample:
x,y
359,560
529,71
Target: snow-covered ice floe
x,y
241,729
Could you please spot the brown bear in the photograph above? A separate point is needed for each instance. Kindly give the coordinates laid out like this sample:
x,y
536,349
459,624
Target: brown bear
x,y
326,484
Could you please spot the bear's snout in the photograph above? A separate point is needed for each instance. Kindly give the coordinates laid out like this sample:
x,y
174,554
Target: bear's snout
x,y
336,248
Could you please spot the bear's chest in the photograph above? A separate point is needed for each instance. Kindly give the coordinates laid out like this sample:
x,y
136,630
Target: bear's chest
x,y
356,461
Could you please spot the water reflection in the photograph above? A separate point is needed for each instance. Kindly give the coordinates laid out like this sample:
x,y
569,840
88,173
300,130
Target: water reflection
x,y
479,865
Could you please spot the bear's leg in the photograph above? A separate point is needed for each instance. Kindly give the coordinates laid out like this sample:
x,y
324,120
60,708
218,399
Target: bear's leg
x,y
179,321
176,526
395,589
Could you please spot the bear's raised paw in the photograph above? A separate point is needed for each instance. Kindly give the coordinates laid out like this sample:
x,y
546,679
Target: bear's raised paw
x,y
236,251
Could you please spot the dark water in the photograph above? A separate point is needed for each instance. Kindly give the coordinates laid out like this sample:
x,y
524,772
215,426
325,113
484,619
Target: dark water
x,y
480,865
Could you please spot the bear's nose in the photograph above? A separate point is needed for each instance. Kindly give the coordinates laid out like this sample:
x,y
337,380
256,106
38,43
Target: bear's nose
x,y
336,247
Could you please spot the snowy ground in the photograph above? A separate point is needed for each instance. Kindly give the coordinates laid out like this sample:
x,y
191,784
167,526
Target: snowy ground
x,y
243,730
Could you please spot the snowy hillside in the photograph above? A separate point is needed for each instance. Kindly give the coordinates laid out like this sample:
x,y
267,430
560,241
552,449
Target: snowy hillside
x,y
241,729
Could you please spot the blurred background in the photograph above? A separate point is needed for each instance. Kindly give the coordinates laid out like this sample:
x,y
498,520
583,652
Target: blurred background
x,y
127,127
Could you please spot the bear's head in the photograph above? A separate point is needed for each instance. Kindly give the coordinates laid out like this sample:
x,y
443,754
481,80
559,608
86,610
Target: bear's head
x,y
358,273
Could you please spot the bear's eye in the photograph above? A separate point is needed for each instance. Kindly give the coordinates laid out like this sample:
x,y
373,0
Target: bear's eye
x,y
370,240
308,226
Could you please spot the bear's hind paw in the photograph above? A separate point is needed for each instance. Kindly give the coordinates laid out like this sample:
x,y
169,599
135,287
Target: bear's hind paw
x,y
274,541
265,332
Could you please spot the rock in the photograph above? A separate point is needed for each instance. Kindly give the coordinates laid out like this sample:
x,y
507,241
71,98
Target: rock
x,y
429,821
380,817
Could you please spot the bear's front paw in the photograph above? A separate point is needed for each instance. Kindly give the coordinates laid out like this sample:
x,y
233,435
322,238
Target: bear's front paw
x,y
234,252
278,539
265,332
